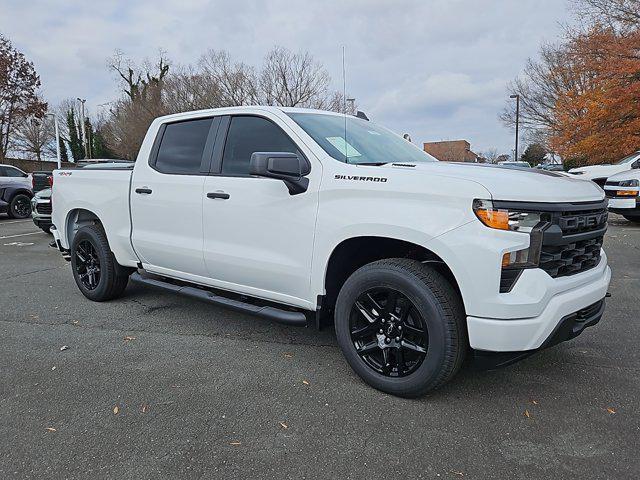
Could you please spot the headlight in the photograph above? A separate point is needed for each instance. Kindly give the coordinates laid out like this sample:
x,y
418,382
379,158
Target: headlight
x,y
502,219
531,223
629,183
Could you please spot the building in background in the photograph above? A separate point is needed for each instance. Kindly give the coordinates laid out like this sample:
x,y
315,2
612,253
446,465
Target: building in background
x,y
452,151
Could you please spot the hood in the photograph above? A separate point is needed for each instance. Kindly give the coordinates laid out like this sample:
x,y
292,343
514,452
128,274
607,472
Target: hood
x,y
627,175
517,184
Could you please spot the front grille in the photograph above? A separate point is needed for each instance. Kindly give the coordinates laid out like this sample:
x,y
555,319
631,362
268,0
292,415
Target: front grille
x,y
44,208
572,241
564,260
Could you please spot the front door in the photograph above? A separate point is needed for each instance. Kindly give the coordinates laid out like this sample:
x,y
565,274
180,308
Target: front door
x,y
258,239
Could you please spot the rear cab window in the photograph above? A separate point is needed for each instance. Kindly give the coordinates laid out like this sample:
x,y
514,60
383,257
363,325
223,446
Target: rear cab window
x,y
182,147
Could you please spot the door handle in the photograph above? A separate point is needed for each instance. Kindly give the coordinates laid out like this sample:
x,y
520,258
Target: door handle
x,y
144,190
221,195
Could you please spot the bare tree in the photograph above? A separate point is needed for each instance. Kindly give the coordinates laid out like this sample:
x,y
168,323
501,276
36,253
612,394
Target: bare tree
x,y
491,155
293,80
542,84
621,15
19,84
35,137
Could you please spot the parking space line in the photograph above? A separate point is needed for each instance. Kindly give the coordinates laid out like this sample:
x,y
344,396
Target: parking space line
x,y
20,235
15,221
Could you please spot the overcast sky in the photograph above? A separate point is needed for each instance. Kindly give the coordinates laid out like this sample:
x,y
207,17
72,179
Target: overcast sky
x,y
437,69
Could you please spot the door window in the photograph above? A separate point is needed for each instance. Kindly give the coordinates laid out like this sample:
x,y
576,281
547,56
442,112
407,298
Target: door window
x,y
248,135
13,172
182,146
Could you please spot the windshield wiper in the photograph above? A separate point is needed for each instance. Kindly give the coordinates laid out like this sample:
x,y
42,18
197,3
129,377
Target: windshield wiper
x,y
374,164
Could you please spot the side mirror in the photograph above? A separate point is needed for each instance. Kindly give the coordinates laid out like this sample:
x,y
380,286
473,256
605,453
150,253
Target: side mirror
x,y
636,164
285,166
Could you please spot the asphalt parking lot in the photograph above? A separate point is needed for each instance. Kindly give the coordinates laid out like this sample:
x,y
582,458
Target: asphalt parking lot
x,y
155,385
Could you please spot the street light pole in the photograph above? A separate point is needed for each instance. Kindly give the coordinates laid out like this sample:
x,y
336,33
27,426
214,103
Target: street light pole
x,y
517,97
55,122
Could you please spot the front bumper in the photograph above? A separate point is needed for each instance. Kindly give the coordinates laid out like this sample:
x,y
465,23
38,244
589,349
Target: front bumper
x,y
569,327
523,334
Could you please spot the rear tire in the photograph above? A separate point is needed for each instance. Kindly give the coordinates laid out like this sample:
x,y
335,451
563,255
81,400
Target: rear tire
x,y
95,270
430,345
19,206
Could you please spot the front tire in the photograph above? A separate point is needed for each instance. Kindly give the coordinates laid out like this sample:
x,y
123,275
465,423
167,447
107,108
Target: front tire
x,y
19,206
95,270
400,325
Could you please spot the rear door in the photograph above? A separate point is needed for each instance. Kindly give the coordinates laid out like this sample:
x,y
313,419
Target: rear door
x,y
14,176
258,239
166,198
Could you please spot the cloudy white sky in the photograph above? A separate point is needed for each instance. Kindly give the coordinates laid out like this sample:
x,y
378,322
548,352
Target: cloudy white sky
x,y
437,69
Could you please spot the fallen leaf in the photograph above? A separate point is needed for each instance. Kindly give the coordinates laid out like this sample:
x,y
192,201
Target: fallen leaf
x,y
611,410
128,339
457,473
288,355
527,414
235,443
63,348
284,425
75,322
51,429
144,408
535,402
53,368
306,382
116,409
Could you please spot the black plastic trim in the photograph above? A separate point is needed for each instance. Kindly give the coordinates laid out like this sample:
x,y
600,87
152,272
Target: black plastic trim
x,y
549,206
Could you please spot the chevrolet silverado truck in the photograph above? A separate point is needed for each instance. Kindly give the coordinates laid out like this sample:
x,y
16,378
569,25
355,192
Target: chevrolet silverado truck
x,y
307,217
600,173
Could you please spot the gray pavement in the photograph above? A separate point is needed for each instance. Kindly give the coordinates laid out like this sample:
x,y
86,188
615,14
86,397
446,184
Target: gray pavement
x,y
202,392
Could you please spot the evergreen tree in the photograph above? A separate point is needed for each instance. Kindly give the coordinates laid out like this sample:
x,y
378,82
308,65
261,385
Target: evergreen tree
x,y
75,137
534,154
64,155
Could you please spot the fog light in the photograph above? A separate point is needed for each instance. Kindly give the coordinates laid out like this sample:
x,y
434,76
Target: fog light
x,y
517,259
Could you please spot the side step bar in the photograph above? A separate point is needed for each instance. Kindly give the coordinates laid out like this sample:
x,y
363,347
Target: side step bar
x,y
272,313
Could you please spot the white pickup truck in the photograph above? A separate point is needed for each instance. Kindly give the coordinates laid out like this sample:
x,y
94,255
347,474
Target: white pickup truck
x,y
600,173
307,216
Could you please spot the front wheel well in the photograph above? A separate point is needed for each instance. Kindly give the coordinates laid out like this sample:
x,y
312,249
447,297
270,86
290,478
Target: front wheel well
x,y
356,252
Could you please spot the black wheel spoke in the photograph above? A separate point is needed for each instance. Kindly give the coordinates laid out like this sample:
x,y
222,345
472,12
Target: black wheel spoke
x,y
368,348
365,313
412,346
413,330
399,360
392,301
366,331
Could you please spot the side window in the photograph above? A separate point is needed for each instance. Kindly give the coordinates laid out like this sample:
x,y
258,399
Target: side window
x,y
248,135
13,172
3,172
182,145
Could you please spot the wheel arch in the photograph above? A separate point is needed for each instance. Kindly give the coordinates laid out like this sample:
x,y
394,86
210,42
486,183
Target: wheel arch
x,y
355,252
76,219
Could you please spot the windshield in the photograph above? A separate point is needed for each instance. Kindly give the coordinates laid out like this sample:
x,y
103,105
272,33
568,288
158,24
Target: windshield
x,y
365,142
628,159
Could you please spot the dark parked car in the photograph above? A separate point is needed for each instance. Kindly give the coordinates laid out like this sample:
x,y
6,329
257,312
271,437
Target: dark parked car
x,y
15,200
41,180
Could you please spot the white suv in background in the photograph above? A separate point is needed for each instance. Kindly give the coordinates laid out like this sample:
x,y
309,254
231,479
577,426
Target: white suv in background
x,y
623,192
14,176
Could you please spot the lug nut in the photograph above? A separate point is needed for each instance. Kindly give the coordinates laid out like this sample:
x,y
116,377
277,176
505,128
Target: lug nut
x,y
387,340
399,327
397,339
383,320
381,331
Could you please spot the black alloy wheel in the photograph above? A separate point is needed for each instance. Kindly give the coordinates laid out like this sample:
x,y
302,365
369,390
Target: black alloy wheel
x,y
21,206
87,265
388,332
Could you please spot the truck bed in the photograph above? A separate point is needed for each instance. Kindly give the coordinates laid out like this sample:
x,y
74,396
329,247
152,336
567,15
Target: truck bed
x,y
100,192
